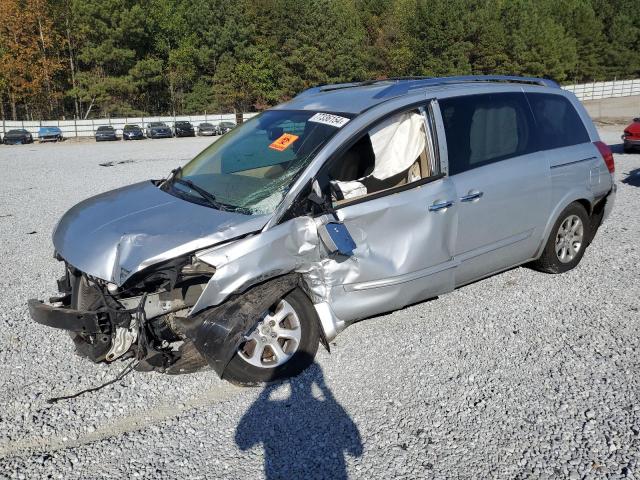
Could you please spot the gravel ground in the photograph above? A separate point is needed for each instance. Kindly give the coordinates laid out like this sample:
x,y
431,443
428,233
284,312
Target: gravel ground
x,y
520,375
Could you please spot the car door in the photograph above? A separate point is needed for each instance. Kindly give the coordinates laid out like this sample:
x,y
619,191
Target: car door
x,y
404,239
501,183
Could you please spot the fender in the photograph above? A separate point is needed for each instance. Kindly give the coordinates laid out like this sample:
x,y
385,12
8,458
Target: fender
x,y
246,262
218,331
569,197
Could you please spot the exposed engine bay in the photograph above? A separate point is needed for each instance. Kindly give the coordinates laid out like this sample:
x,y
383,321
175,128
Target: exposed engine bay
x,y
137,320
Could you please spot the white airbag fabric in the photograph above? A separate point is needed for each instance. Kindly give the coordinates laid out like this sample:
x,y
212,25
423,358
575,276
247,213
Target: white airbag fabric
x,y
397,144
351,189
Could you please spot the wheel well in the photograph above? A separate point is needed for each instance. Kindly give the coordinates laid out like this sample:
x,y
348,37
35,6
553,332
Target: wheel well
x,y
586,204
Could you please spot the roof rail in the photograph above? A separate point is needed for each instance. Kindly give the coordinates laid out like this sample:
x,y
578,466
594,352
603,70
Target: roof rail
x,y
402,85
332,86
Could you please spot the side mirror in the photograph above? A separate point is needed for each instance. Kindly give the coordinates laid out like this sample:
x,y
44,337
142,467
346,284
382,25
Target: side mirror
x,y
337,239
275,133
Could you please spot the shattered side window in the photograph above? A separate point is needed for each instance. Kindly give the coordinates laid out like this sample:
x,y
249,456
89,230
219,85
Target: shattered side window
x,y
252,167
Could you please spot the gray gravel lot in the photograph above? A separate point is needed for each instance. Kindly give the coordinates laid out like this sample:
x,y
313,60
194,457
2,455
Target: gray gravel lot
x,y
520,375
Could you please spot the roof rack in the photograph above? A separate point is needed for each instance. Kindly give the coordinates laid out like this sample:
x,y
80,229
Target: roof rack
x,y
400,85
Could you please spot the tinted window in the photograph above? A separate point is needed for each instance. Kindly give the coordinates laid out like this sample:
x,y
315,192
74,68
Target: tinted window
x,y
557,122
482,129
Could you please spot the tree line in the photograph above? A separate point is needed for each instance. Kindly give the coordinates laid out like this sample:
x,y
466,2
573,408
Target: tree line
x,y
89,58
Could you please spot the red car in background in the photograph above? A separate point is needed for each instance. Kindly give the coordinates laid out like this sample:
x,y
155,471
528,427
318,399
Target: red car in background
x,y
631,136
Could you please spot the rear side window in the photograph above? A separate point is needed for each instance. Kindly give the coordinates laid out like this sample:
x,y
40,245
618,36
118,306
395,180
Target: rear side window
x,y
558,124
482,129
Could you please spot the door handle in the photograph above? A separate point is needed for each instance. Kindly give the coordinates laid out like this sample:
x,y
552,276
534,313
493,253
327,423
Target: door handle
x,y
472,196
437,206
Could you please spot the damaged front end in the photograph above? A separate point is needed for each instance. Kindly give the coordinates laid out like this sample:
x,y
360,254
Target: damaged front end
x,y
195,311
136,320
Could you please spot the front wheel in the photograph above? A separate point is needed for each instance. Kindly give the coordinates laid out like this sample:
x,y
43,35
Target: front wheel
x,y
567,242
281,344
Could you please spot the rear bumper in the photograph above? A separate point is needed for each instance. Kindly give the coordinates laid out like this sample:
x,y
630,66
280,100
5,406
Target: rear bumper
x,y
64,318
628,142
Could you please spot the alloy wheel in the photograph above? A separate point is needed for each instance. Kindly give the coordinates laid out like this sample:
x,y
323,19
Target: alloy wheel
x,y
274,340
569,238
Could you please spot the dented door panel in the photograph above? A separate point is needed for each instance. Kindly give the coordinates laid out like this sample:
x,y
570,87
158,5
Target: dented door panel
x,y
404,252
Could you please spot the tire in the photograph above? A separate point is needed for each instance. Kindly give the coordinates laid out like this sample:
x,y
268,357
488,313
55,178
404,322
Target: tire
x,y
83,297
241,372
567,241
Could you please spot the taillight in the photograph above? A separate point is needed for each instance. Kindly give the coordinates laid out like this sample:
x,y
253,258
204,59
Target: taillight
x,y
607,155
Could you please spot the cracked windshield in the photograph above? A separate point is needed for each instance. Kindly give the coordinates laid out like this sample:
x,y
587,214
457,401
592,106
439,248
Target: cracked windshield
x,y
251,168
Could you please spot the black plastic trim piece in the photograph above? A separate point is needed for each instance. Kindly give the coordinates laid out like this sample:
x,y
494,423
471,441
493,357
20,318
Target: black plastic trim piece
x,y
64,318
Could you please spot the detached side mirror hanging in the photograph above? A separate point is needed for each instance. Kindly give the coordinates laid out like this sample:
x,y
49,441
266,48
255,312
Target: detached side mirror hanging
x,y
336,238
334,234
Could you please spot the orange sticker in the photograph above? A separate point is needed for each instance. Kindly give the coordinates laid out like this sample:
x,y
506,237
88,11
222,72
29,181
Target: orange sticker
x,y
282,143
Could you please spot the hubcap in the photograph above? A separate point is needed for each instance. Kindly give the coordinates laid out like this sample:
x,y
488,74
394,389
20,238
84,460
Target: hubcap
x,y
275,338
569,238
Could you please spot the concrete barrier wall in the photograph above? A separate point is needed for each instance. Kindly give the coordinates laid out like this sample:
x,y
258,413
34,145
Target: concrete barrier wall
x,y
621,109
87,128
600,90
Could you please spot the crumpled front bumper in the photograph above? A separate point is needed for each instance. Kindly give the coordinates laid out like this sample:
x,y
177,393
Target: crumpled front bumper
x,y
66,318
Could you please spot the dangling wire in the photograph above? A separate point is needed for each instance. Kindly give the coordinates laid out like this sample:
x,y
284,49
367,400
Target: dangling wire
x,y
128,369
140,349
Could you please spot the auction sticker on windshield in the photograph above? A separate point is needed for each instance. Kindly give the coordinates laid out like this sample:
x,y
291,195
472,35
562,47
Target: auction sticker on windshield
x,y
283,142
329,119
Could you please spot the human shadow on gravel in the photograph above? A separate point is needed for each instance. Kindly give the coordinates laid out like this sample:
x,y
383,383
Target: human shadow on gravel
x,y
633,178
303,435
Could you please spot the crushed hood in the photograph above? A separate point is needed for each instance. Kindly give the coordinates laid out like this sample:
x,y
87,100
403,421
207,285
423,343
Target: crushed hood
x,y
118,233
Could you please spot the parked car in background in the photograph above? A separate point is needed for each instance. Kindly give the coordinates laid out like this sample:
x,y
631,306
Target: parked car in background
x,y
207,130
631,136
183,129
50,134
17,137
132,132
224,127
106,133
159,130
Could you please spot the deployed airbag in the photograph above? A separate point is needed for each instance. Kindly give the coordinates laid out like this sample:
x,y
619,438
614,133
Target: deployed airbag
x,y
397,143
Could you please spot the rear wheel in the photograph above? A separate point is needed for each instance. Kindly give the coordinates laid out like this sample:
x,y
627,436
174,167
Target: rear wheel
x,y
567,242
281,344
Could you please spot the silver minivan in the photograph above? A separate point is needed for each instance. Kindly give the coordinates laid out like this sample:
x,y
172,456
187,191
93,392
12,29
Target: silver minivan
x,y
348,201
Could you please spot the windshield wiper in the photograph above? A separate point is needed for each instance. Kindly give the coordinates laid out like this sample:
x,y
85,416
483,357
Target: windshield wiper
x,y
209,197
